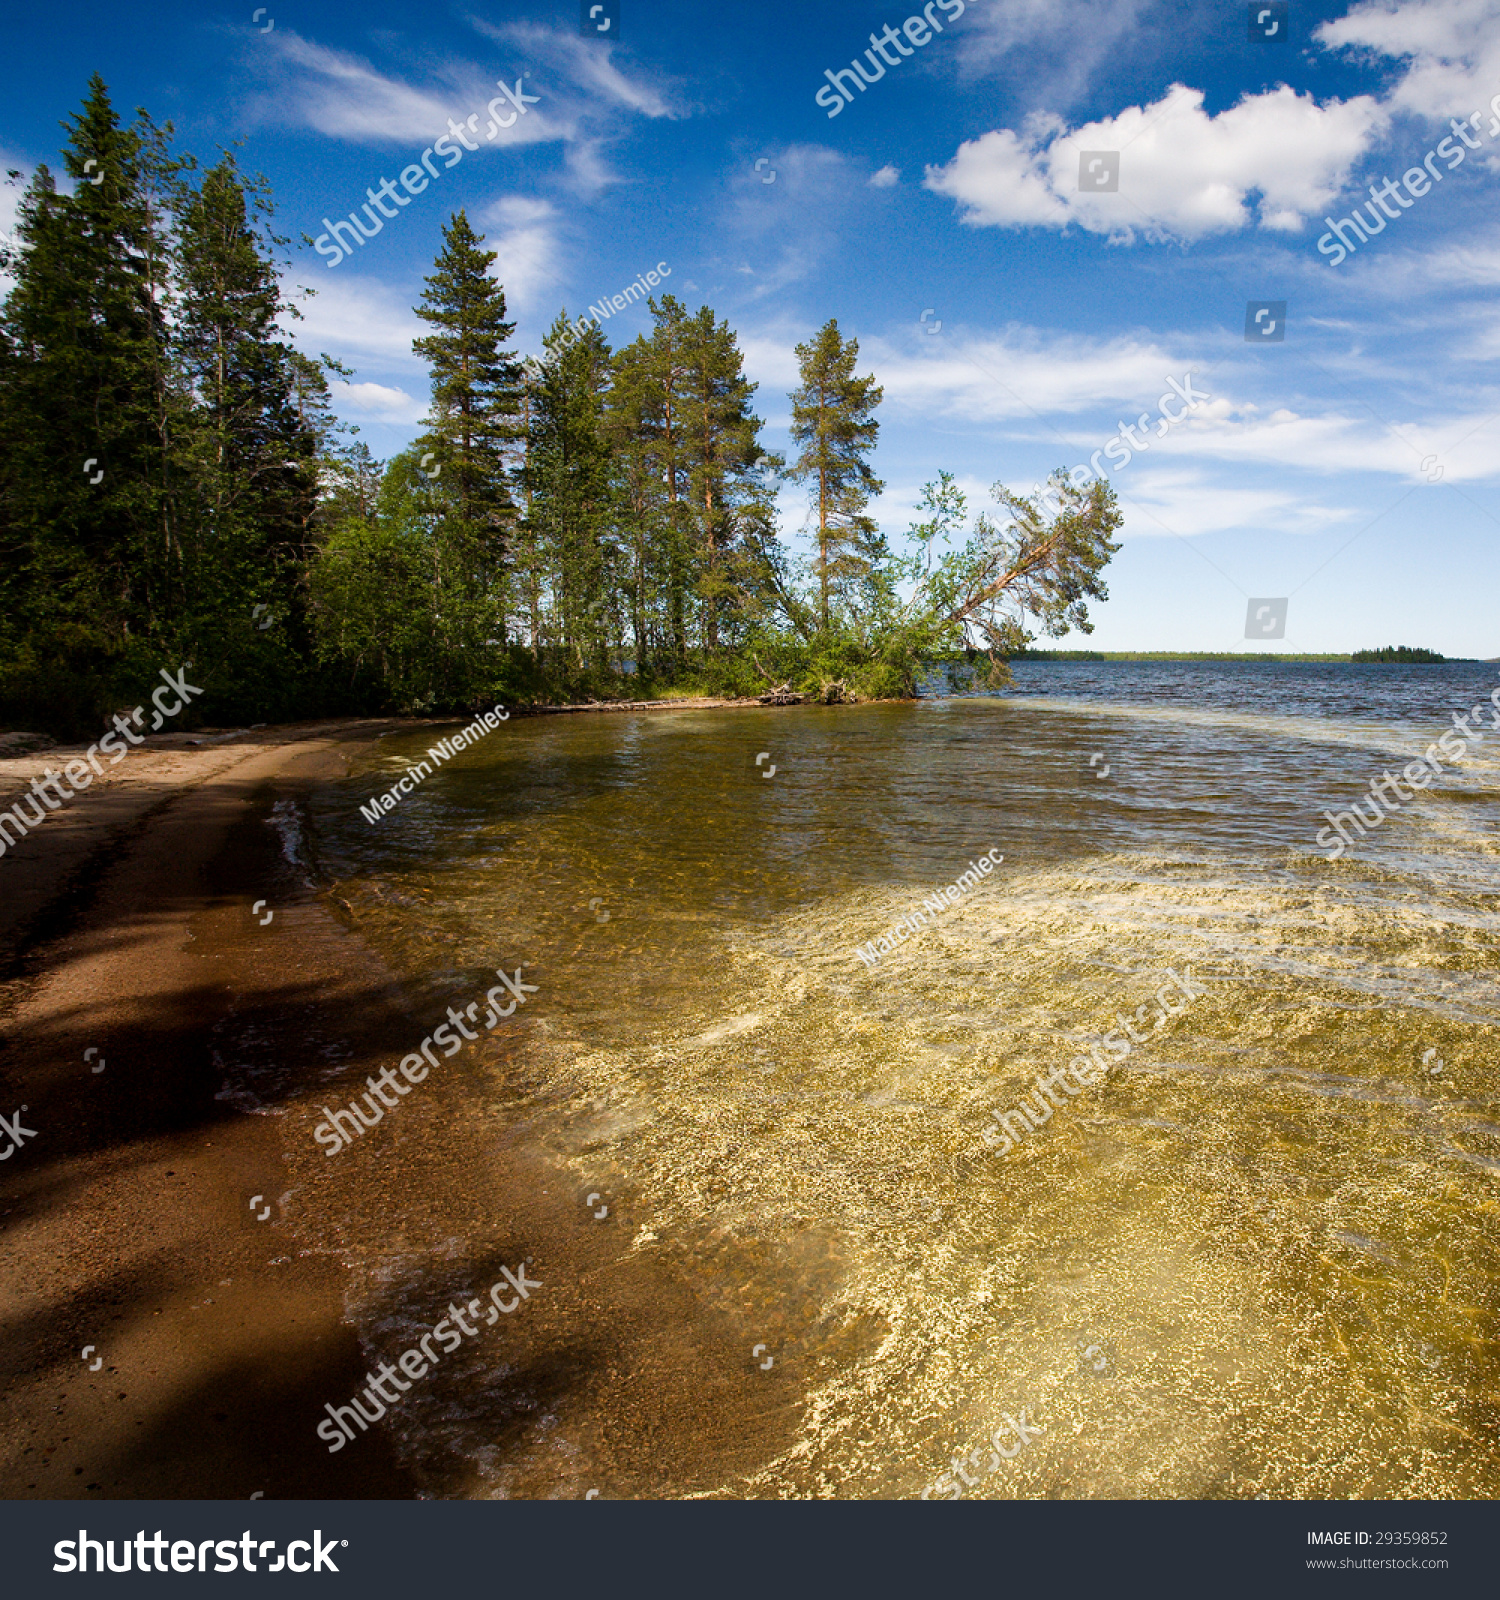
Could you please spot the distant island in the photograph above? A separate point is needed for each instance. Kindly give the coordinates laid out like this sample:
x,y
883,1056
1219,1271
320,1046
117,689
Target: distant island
x,y
1403,653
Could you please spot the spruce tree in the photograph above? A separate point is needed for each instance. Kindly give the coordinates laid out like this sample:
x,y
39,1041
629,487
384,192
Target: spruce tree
x,y
89,394
833,420
260,409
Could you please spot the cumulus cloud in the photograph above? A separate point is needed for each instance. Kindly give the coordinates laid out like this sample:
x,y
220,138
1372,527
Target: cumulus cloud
x,y
1271,160
887,178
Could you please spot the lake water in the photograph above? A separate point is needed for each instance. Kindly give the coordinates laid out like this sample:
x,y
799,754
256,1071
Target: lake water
x,y
1261,1256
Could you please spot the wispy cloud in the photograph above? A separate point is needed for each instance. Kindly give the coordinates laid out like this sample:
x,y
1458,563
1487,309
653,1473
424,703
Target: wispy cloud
x,y
345,96
1064,44
586,63
358,321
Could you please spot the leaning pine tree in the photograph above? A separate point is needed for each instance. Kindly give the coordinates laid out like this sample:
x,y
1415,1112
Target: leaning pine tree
x,y
1029,564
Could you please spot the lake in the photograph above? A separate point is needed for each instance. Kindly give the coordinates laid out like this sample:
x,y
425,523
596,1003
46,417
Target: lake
x,y
1259,1256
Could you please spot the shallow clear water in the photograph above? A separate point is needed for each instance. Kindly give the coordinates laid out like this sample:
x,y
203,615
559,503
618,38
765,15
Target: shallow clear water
x,y
1259,1257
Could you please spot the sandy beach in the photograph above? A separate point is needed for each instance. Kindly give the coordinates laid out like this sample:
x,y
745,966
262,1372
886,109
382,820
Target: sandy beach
x,y
127,1224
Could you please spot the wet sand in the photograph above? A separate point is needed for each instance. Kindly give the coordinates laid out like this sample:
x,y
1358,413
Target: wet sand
x,y
127,1225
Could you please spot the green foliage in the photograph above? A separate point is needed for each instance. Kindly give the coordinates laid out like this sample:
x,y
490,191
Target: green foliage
x,y
141,349
571,501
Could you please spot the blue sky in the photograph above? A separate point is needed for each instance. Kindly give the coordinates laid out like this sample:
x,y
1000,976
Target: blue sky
x,y
1351,466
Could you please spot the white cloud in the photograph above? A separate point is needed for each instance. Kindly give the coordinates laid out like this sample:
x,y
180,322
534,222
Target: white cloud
x,y
357,321
588,172
585,62
1020,374
1182,174
771,361
886,178
343,96
1473,265
1167,501
784,231
375,403
1063,397
346,97
999,179
523,234
1062,43
339,94
1451,49
1243,435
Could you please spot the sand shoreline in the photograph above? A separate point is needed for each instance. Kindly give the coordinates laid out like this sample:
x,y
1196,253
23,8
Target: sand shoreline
x,y
127,1226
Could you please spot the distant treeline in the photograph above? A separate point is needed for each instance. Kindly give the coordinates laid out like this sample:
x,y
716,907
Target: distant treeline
x,y
175,488
1404,653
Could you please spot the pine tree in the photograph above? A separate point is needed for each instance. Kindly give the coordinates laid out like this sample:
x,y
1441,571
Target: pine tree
x,y
476,402
721,452
665,400
642,517
833,421
568,480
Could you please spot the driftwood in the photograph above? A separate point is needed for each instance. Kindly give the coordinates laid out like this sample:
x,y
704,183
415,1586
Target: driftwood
x,y
780,694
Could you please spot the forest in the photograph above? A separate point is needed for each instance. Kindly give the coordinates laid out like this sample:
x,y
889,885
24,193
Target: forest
x,y
582,523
